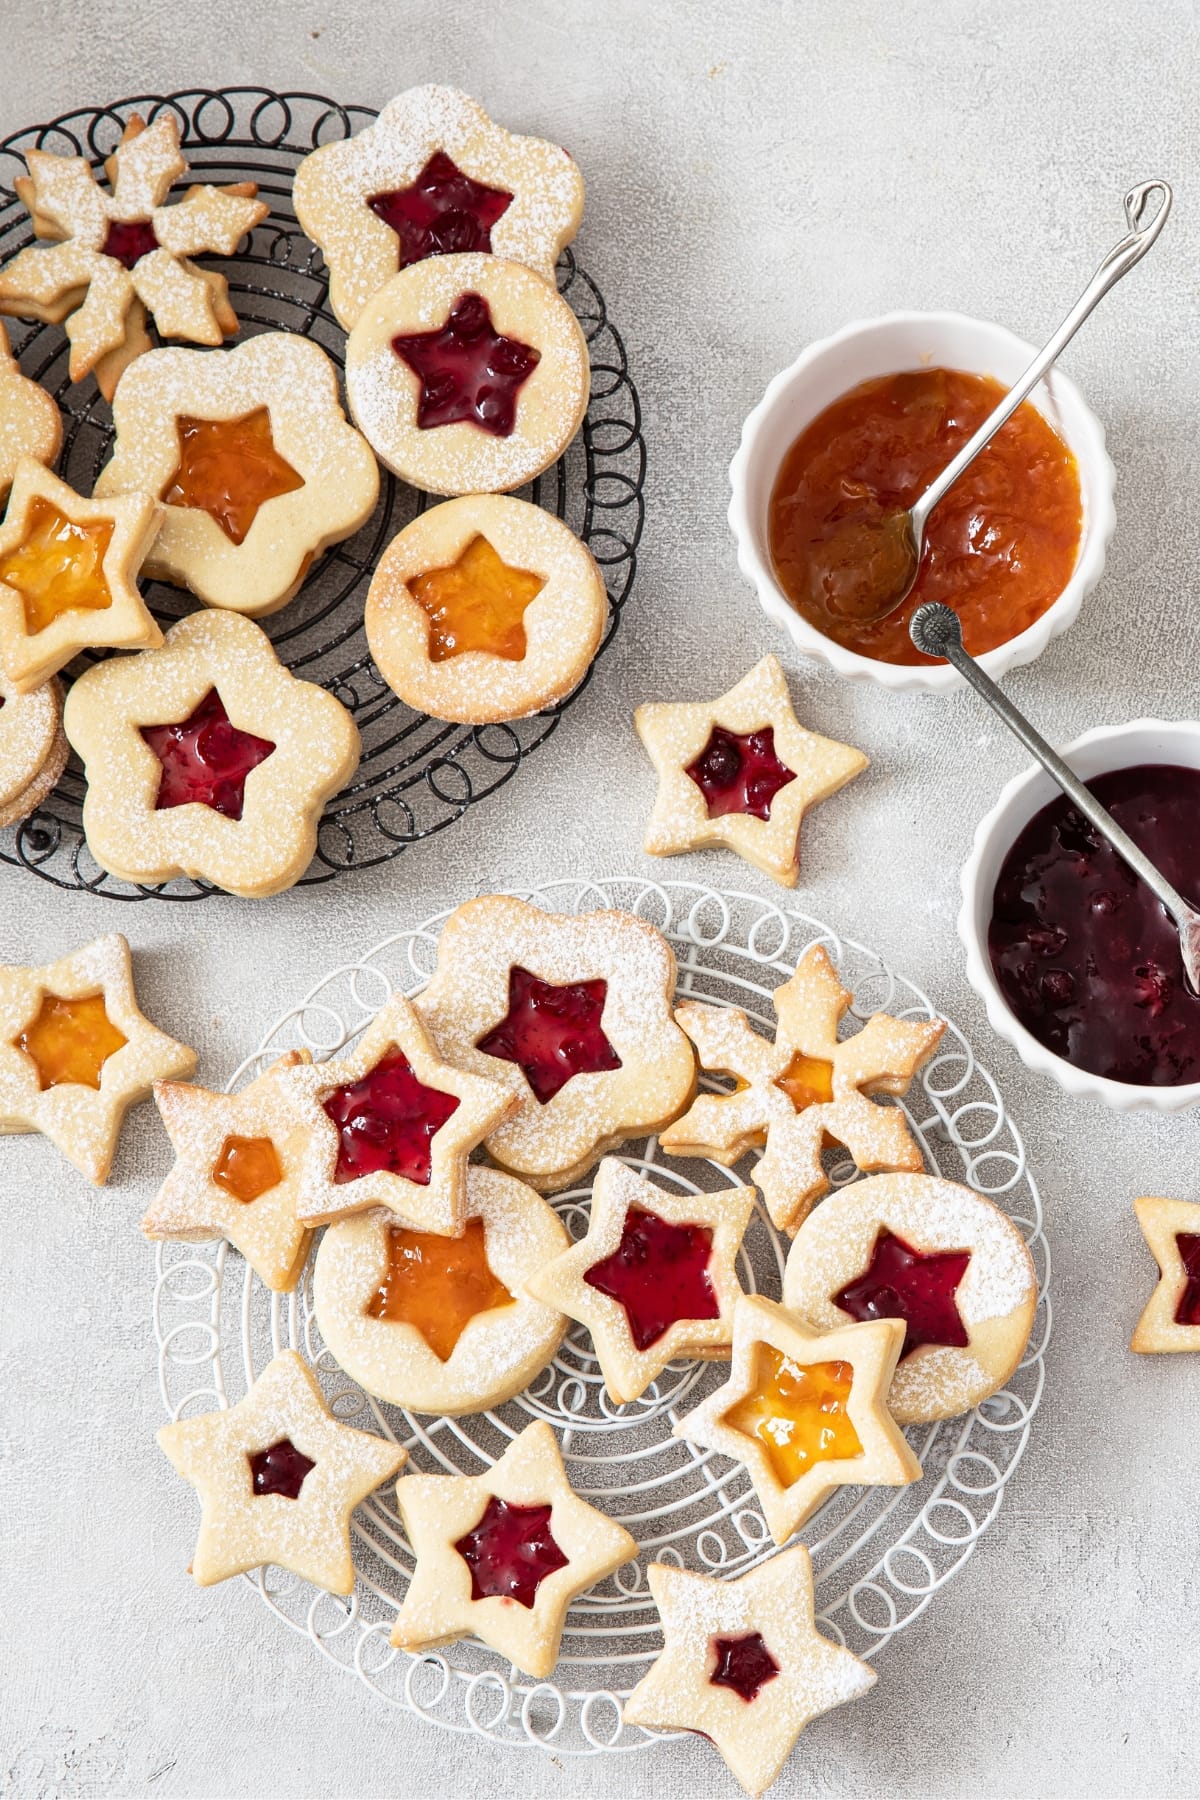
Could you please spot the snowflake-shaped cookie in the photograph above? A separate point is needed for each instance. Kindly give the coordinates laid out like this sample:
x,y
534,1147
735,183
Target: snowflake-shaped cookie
x,y
804,1089
119,253
30,422
1171,1319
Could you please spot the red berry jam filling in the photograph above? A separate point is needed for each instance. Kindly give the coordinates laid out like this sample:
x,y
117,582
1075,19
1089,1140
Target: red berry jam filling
x,y
908,1284
388,1121
739,774
1085,955
442,213
128,242
205,758
659,1274
743,1664
280,1470
468,372
1188,1310
510,1552
551,1033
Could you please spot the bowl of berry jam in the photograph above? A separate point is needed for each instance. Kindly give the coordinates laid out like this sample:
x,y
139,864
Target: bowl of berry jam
x,y
855,431
1075,959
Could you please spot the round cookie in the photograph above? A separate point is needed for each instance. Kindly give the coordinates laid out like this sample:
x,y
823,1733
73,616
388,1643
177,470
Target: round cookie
x,y
33,748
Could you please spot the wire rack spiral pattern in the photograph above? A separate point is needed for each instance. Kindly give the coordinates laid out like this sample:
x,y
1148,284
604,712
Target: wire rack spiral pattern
x,y
418,774
879,1554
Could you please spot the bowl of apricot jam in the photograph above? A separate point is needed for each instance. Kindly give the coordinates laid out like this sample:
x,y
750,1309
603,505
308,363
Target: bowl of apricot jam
x,y
1075,959
856,429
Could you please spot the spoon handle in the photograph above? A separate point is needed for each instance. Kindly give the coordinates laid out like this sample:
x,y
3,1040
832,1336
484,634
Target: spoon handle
x,y
1120,259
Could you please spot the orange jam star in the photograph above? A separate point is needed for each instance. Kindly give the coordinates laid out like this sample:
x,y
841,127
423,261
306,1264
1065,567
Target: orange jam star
x,y
807,1081
70,1041
476,603
58,566
797,1413
228,468
438,1284
247,1167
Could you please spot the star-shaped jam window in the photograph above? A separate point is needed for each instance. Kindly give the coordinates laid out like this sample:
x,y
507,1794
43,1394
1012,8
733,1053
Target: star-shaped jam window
x,y
387,1120
469,372
740,773
551,1032
476,603
744,1664
1171,1319
442,212
658,1274
913,1285
510,1552
229,468
205,758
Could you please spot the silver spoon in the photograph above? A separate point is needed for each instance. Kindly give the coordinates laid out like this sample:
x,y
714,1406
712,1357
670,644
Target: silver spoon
x,y
888,550
937,631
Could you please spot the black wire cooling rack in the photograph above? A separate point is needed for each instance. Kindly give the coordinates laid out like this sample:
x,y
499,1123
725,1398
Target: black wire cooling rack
x,y
417,774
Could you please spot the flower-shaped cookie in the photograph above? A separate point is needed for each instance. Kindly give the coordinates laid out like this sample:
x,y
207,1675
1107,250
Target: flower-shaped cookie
x,y
485,608
805,1089
433,175
744,1663
254,459
654,1278
501,1556
119,253
1171,1320
33,747
30,422
573,1015
237,1165
467,374
439,1324
68,575
207,758
938,1256
278,1478
805,1411
740,772
76,1052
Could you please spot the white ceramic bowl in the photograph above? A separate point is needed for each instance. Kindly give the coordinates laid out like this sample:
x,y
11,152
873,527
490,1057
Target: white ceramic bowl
x,y
859,352
1107,747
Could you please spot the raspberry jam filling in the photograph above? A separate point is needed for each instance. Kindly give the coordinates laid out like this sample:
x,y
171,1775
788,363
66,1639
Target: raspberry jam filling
x,y
510,1552
476,603
903,1283
443,213
280,1470
70,1041
659,1274
387,1122
743,1664
59,566
551,1033
1083,952
228,468
205,758
247,1167
797,1412
469,373
739,774
128,240
807,1081
1188,1310
437,1284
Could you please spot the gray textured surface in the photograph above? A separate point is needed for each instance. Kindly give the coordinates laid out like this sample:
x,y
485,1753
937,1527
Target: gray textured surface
x,y
757,175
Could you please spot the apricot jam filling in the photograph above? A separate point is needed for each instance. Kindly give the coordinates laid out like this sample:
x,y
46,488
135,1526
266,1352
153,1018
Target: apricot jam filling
x,y
387,1122
658,1274
743,1664
510,1552
797,1412
228,468
469,372
58,566
476,603
247,1167
442,213
739,774
70,1041
807,1081
282,1469
437,1284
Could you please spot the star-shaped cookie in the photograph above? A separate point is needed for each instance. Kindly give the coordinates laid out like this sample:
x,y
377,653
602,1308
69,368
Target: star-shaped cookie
x,y
739,772
278,1478
805,1411
68,575
804,1089
236,1173
30,422
1171,1320
653,1279
744,1663
76,1052
501,1556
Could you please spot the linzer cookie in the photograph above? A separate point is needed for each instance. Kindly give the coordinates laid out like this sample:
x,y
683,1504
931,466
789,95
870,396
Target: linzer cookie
x,y
33,747
433,176
1171,1320
30,422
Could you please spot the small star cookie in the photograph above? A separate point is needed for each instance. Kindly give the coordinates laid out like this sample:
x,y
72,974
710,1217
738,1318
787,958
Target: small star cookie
x,y
654,1278
805,1089
278,1478
30,422
1171,1320
76,1052
501,1556
744,1664
805,1411
33,747
739,772
433,175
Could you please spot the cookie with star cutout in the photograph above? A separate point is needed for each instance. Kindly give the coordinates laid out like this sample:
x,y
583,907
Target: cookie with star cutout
x,y
33,747
1171,1319
30,422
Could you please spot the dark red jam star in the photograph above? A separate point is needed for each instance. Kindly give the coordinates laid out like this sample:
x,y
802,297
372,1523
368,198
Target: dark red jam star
x,y
551,1033
739,774
510,1552
280,1470
205,758
442,213
468,372
1188,1310
128,242
903,1283
659,1274
388,1121
743,1664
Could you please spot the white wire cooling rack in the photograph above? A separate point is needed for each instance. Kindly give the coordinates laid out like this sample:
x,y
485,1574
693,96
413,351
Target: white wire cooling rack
x,y
879,1554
